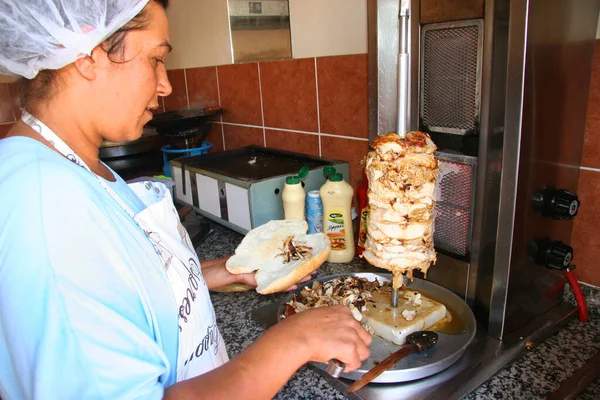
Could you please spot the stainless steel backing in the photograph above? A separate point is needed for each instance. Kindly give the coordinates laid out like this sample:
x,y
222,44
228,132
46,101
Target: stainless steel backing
x,y
447,351
454,195
451,59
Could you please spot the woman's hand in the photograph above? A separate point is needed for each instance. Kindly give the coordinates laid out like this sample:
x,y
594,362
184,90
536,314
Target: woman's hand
x,y
215,274
325,333
318,334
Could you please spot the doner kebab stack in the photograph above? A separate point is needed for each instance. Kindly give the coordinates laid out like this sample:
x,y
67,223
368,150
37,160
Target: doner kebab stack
x,y
401,173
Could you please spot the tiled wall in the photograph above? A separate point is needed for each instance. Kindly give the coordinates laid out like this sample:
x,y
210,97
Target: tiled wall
x,y
586,229
319,106
315,106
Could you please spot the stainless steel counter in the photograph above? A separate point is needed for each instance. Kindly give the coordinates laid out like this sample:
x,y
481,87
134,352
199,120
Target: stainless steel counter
x,y
512,369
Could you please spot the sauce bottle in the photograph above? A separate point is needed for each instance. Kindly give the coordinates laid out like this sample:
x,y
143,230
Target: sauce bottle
x,y
293,196
336,195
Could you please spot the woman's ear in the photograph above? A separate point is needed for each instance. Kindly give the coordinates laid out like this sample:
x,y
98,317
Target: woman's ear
x,y
86,66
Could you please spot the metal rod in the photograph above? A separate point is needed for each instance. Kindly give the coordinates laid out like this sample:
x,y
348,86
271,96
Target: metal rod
x,y
403,70
394,298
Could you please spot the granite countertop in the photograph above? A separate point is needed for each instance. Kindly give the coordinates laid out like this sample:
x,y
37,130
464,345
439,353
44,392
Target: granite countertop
x,y
532,376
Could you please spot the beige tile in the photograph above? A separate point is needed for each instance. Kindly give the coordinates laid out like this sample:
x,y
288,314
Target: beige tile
x,y
591,143
293,141
289,94
585,239
177,100
215,136
240,93
343,95
241,136
352,151
202,87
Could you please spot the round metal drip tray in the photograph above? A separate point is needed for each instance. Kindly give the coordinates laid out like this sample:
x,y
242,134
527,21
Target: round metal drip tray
x,y
449,348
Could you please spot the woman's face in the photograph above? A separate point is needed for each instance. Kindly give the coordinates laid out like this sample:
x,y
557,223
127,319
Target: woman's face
x,y
129,90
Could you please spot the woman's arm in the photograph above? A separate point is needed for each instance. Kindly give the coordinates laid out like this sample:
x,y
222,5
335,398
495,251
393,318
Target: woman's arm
x,y
261,370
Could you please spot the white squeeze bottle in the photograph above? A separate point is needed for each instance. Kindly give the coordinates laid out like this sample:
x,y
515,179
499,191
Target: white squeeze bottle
x,y
293,196
336,195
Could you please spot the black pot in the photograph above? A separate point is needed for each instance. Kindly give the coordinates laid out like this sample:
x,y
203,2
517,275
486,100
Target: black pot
x,y
185,129
188,138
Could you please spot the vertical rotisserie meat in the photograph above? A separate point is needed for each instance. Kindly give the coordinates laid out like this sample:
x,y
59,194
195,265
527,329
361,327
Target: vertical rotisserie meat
x,y
402,174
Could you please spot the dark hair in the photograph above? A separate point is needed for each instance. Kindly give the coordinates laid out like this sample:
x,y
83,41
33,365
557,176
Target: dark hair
x,y
44,84
115,44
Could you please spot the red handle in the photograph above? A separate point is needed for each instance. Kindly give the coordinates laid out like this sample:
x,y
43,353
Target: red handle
x,y
583,312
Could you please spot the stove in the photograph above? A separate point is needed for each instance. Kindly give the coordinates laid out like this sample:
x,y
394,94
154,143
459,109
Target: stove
x,y
242,188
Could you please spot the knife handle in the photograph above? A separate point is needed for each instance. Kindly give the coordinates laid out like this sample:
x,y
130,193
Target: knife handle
x,y
383,366
335,367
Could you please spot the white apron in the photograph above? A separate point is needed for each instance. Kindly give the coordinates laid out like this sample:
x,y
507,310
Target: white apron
x,y
201,346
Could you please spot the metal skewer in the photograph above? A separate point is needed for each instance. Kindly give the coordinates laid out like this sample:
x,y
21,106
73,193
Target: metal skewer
x,y
403,70
403,83
394,297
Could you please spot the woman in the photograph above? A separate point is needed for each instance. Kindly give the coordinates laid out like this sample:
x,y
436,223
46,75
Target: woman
x,y
100,297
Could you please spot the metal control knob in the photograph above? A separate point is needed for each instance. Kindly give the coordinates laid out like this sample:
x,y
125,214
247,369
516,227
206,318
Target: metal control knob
x,y
552,254
555,203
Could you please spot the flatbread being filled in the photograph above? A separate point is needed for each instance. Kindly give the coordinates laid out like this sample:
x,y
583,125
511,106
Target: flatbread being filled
x,y
281,253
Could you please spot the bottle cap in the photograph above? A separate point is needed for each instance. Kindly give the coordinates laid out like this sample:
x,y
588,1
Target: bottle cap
x,y
328,171
292,180
303,172
337,177
314,193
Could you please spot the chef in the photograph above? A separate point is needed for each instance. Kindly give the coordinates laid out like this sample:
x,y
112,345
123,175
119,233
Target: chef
x,y
101,295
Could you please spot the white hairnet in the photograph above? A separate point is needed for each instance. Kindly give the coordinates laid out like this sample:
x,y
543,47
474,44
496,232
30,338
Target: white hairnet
x,y
49,34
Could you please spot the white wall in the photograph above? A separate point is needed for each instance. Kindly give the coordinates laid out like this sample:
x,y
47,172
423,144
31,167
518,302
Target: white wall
x,y
328,27
199,31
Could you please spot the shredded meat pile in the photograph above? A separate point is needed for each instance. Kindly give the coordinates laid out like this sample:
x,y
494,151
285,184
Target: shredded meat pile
x,y
350,291
294,252
402,174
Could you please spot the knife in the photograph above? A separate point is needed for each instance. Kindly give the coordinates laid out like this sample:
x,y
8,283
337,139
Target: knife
x,y
418,342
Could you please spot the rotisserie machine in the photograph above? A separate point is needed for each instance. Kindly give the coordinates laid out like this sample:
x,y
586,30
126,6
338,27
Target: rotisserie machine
x,y
502,88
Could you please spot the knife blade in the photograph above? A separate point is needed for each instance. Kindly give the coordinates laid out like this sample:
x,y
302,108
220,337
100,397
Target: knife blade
x,y
383,366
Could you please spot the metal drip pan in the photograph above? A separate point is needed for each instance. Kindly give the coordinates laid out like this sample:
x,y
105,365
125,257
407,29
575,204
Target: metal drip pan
x,y
446,352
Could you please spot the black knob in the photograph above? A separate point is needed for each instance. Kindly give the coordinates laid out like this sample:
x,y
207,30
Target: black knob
x,y
552,254
555,203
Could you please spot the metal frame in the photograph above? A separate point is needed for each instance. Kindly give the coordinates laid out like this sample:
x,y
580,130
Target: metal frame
x,y
383,33
515,83
497,264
